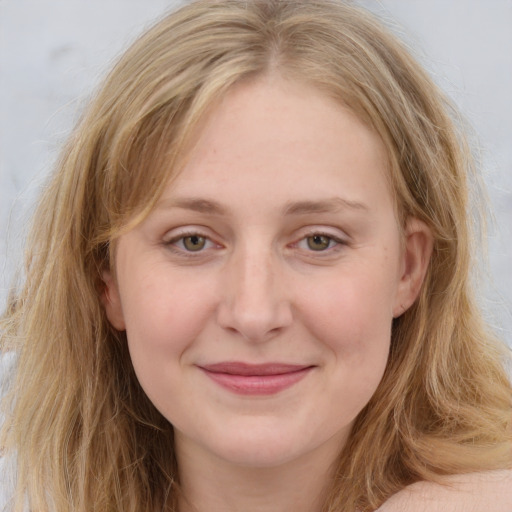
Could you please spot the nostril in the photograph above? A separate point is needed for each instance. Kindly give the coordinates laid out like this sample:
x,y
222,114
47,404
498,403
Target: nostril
x,y
254,324
253,301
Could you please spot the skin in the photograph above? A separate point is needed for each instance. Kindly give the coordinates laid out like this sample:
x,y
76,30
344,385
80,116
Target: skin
x,y
300,261
474,492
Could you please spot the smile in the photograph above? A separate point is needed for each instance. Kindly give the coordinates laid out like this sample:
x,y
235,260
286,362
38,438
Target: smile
x,y
259,379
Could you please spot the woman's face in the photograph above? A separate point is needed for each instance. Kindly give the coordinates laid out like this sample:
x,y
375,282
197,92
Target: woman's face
x,y
258,296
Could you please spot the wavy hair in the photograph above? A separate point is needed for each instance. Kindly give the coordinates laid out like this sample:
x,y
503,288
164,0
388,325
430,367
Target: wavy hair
x,y
85,436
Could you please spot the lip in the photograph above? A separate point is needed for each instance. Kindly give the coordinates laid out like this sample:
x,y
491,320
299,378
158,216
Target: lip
x,y
255,379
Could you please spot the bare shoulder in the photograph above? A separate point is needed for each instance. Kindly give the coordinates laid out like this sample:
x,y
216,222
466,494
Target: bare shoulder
x,y
472,492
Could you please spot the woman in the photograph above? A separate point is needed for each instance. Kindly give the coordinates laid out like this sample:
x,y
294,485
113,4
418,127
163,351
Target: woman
x,y
247,286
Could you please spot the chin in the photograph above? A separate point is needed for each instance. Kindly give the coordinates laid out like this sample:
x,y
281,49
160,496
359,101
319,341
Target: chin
x,y
270,446
259,455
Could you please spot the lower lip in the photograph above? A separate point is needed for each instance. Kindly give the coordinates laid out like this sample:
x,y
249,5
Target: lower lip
x,y
257,384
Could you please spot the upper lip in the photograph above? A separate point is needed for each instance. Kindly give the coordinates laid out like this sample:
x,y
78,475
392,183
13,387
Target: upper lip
x,y
248,369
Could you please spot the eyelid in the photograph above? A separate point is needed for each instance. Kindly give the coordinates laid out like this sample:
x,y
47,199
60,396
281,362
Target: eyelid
x,y
340,240
172,237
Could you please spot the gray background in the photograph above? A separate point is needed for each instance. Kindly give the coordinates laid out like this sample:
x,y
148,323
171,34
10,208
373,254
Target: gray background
x,y
53,52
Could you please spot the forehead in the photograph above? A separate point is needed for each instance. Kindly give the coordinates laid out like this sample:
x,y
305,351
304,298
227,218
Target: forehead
x,y
271,130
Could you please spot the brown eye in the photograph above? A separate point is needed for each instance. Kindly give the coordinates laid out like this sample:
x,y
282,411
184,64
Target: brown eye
x,y
318,242
194,243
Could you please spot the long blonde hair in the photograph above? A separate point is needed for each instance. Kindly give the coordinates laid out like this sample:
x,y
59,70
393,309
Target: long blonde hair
x,y
86,437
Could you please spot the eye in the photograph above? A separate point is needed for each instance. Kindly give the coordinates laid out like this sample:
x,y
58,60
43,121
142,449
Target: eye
x,y
319,242
194,243
189,243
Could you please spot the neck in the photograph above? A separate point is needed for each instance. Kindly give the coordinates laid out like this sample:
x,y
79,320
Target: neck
x,y
212,485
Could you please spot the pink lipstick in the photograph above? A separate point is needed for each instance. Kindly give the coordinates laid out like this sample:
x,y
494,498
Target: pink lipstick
x,y
255,379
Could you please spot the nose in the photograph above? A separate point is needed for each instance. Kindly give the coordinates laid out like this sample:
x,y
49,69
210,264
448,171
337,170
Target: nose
x,y
254,299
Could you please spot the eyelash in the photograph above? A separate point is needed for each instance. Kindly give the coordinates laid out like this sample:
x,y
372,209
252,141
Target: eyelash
x,y
334,243
172,243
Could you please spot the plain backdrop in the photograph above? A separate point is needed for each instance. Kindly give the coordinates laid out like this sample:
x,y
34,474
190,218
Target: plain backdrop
x,y
53,53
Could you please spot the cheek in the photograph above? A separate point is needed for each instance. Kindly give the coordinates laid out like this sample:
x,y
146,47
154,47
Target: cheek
x,y
352,317
163,318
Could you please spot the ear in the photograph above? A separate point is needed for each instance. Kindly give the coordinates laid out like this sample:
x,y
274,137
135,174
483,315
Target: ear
x,y
416,252
111,300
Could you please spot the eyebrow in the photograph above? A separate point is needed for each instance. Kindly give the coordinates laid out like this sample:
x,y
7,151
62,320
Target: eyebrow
x,y
331,205
195,204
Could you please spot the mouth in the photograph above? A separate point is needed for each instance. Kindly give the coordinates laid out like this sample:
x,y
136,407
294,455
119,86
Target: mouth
x,y
255,379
